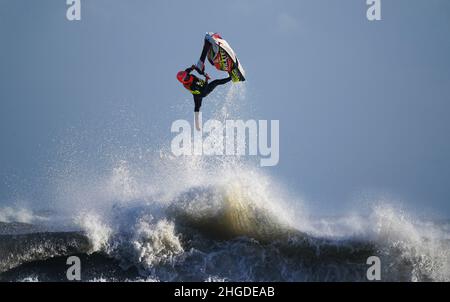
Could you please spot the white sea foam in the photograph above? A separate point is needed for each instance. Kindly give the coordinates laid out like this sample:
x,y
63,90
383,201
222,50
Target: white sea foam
x,y
19,214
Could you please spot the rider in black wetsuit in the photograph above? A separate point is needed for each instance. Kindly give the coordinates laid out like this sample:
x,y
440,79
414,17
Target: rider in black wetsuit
x,y
198,87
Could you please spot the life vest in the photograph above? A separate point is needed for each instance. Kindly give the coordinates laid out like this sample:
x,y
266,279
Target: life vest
x,y
195,85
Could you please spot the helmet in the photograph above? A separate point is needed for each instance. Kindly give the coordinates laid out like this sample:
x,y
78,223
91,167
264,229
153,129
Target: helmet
x,y
183,77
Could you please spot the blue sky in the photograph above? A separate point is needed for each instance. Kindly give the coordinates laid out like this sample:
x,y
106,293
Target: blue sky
x,y
363,106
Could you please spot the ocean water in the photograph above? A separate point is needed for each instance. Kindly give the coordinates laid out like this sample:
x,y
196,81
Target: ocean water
x,y
225,232
162,218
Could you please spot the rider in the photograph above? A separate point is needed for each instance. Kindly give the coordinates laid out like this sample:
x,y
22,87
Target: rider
x,y
198,87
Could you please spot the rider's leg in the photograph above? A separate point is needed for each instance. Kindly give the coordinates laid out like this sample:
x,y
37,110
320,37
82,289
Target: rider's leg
x,y
211,86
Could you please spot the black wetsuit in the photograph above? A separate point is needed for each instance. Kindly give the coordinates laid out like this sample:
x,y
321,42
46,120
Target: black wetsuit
x,y
200,88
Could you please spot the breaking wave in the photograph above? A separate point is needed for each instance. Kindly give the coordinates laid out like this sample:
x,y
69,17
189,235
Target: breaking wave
x,y
229,231
153,217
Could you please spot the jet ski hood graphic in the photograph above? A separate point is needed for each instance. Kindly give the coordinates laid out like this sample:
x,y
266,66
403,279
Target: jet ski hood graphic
x,y
222,56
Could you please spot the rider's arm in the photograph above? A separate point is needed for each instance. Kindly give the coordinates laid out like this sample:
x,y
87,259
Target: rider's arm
x,y
203,73
189,70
